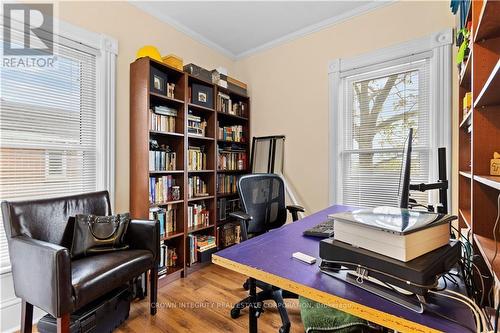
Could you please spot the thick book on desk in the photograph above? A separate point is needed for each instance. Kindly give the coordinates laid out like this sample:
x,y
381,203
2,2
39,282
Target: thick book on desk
x,y
398,233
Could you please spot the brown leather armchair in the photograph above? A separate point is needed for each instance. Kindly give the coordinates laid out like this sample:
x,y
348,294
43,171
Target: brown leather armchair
x,y
39,234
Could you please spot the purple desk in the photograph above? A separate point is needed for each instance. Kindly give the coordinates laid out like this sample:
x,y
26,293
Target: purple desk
x,y
268,258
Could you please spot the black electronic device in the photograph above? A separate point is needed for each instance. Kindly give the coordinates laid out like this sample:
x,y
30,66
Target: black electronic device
x,y
101,316
405,186
415,276
404,177
322,230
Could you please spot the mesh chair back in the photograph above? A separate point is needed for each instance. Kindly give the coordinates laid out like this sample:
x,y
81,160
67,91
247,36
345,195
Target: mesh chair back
x,y
263,197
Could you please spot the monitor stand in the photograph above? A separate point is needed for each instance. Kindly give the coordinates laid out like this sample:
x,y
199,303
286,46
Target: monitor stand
x,y
410,301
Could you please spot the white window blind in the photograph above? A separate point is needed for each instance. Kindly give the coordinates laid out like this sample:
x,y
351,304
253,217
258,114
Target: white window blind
x,y
48,129
379,107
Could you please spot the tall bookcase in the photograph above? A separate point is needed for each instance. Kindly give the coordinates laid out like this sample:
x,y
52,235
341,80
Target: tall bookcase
x,y
479,132
181,140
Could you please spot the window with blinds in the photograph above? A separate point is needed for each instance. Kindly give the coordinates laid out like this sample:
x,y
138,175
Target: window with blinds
x,y
379,108
48,129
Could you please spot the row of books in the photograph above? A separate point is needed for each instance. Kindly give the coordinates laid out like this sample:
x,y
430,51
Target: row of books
x,y
199,243
197,187
162,160
162,118
198,215
196,125
231,133
168,258
163,189
167,218
226,105
231,159
226,184
197,158
229,234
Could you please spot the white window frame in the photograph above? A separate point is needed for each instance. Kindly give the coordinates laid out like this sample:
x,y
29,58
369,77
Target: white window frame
x,y
438,48
105,170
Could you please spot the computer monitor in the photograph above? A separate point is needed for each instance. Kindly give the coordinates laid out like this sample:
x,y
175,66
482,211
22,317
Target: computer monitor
x,y
404,177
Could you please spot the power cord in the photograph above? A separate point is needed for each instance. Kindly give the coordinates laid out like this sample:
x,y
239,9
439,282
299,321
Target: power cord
x,y
495,231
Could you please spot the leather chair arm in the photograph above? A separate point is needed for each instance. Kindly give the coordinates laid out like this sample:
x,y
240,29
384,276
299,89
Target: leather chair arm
x,y
145,235
42,274
294,209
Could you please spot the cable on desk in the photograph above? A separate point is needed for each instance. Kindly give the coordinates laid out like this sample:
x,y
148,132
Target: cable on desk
x,y
476,315
495,231
467,299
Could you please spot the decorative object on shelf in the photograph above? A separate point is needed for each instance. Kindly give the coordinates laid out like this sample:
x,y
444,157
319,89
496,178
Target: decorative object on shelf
x,y
158,81
495,165
149,51
198,72
170,90
462,42
467,102
202,95
219,76
176,192
229,234
173,61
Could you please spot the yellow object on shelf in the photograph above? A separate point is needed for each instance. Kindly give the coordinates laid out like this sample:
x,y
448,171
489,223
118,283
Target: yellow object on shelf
x,y
173,61
467,103
149,51
495,165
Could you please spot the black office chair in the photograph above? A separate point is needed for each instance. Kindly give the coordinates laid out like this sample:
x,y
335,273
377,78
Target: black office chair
x,y
262,199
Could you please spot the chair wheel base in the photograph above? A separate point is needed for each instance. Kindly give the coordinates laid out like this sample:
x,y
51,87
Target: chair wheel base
x,y
235,313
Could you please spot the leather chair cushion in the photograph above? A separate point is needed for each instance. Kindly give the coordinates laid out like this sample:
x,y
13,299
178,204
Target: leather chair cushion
x,y
96,275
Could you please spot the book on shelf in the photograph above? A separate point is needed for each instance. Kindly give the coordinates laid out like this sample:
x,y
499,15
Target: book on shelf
x,y
225,104
197,158
162,160
196,124
231,133
231,159
166,216
226,184
229,234
162,119
197,244
163,189
168,258
198,215
197,187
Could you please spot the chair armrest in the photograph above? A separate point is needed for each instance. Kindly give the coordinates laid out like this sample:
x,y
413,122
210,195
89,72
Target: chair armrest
x,y
241,216
294,209
42,274
243,219
145,235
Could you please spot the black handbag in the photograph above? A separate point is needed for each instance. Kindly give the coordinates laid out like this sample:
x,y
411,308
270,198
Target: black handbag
x,y
98,234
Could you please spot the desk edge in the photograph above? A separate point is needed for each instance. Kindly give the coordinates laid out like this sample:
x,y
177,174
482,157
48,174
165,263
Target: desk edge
x,y
356,309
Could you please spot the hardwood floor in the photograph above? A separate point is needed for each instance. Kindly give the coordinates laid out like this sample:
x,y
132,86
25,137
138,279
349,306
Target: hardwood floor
x,y
201,303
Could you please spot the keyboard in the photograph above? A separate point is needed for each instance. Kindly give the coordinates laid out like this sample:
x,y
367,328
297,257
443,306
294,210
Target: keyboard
x,y
322,230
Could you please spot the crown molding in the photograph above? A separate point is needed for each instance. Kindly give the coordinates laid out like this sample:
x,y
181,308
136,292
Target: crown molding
x,y
316,27
149,9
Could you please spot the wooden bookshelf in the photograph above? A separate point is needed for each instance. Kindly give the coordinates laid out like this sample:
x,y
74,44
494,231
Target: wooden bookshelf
x,y
479,131
142,99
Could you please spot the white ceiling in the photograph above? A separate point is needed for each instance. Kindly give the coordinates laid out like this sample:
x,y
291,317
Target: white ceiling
x,y
241,28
